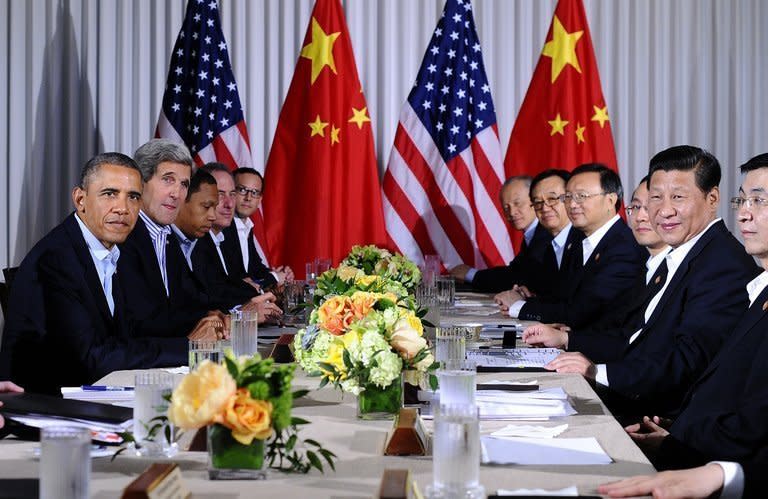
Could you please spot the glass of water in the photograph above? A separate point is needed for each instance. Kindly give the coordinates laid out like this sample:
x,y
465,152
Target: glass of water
x,y
150,406
450,345
446,292
200,350
244,333
457,384
456,453
65,462
294,302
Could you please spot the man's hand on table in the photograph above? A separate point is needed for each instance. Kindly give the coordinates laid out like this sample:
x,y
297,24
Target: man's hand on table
x,y
460,271
507,298
8,386
573,362
212,327
696,483
649,433
547,335
264,306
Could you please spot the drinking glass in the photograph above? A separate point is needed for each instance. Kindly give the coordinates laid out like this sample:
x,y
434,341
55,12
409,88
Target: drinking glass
x,y
450,344
457,383
244,333
322,265
200,350
431,269
294,300
65,462
456,453
446,292
150,406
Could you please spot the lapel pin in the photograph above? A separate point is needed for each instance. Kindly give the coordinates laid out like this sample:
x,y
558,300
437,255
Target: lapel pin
x,y
597,257
569,246
765,306
658,280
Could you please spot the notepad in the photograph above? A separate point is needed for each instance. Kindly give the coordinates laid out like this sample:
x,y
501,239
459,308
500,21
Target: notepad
x,y
536,451
513,357
77,393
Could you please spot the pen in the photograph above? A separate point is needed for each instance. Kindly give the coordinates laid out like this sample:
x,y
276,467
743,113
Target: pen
x,y
106,388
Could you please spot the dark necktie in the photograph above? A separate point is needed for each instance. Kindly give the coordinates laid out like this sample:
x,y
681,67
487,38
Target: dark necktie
x,y
653,288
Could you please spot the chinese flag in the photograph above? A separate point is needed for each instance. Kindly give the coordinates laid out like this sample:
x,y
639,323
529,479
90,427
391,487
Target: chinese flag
x,y
322,192
563,121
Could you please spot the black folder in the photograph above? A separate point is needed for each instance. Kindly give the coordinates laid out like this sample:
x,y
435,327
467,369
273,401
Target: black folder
x,y
46,405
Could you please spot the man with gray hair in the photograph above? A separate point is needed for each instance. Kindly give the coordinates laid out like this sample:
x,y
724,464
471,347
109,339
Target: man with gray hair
x,y
161,294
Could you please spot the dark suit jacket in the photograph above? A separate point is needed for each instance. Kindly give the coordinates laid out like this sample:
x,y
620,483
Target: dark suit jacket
x,y
529,267
725,417
233,255
60,332
158,313
699,308
207,268
755,479
590,290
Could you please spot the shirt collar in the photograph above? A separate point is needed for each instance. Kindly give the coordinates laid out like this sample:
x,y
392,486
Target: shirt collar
x,y
652,265
756,286
154,229
95,246
243,223
217,238
677,255
559,240
181,236
596,236
528,233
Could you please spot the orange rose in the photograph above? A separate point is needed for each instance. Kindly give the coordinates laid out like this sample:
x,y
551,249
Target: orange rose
x,y
331,315
246,417
362,303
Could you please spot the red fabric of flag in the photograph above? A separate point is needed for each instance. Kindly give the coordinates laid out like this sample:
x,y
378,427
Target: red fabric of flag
x,y
322,193
563,121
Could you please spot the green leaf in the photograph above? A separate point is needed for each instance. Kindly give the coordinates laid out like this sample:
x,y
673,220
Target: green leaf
x,y
328,455
314,460
433,382
291,443
299,393
323,382
298,421
312,442
232,368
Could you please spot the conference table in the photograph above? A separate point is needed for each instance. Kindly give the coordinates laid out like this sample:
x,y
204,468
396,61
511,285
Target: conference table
x,y
359,446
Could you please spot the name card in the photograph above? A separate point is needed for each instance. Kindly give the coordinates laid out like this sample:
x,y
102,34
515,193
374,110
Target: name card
x,y
397,484
408,436
159,481
282,352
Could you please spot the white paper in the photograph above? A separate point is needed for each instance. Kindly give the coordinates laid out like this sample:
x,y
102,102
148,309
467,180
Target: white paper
x,y
48,421
536,451
502,382
77,393
571,491
178,370
513,357
541,404
528,431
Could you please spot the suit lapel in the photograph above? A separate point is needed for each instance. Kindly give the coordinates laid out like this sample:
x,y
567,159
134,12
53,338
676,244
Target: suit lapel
x,y
91,276
149,258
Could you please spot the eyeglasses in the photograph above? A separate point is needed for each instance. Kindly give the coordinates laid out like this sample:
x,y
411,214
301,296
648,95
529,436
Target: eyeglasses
x,y
538,204
244,191
748,202
634,209
579,197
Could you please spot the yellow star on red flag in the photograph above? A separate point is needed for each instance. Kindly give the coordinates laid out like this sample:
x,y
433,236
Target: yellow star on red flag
x,y
601,115
558,125
562,48
318,127
335,134
320,50
359,117
580,133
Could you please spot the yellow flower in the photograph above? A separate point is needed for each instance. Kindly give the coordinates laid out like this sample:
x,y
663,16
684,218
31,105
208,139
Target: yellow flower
x,y
414,322
335,355
246,417
345,272
200,396
366,280
363,302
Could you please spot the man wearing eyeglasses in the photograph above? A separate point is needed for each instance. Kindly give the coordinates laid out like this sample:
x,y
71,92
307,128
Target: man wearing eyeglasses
x,y
516,203
245,261
698,296
596,273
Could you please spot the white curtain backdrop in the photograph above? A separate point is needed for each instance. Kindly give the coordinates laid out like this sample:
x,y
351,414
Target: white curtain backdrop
x,y
83,76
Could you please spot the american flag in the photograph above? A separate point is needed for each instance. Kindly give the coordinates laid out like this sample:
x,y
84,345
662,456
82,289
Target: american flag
x,y
201,105
445,170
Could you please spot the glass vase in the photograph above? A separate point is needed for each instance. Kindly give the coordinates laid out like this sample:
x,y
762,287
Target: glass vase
x,y
380,403
228,459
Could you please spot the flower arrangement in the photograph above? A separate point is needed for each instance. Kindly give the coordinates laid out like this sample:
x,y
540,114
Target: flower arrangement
x,y
346,280
362,342
247,404
373,260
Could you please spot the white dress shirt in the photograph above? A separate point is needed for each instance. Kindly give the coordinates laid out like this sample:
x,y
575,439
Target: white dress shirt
x,y
652,265
588,244
217,240
244,228
756,286
104,259
558,243
159,235
733,479
187,245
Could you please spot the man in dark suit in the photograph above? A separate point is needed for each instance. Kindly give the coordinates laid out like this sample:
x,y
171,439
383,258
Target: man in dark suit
x,y
600,269
244,261
196,219
724,414
516,203
161,294
698,294
68,324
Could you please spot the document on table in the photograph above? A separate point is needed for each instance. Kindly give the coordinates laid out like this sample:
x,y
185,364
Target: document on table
x,y
77,393
540,404
536,451
513,357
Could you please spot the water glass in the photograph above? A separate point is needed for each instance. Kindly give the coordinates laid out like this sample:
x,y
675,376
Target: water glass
x,y
65,462
431,269
294,301
457,384
450,345
456,453
150,406
446,292
322,265
244,333
200,350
